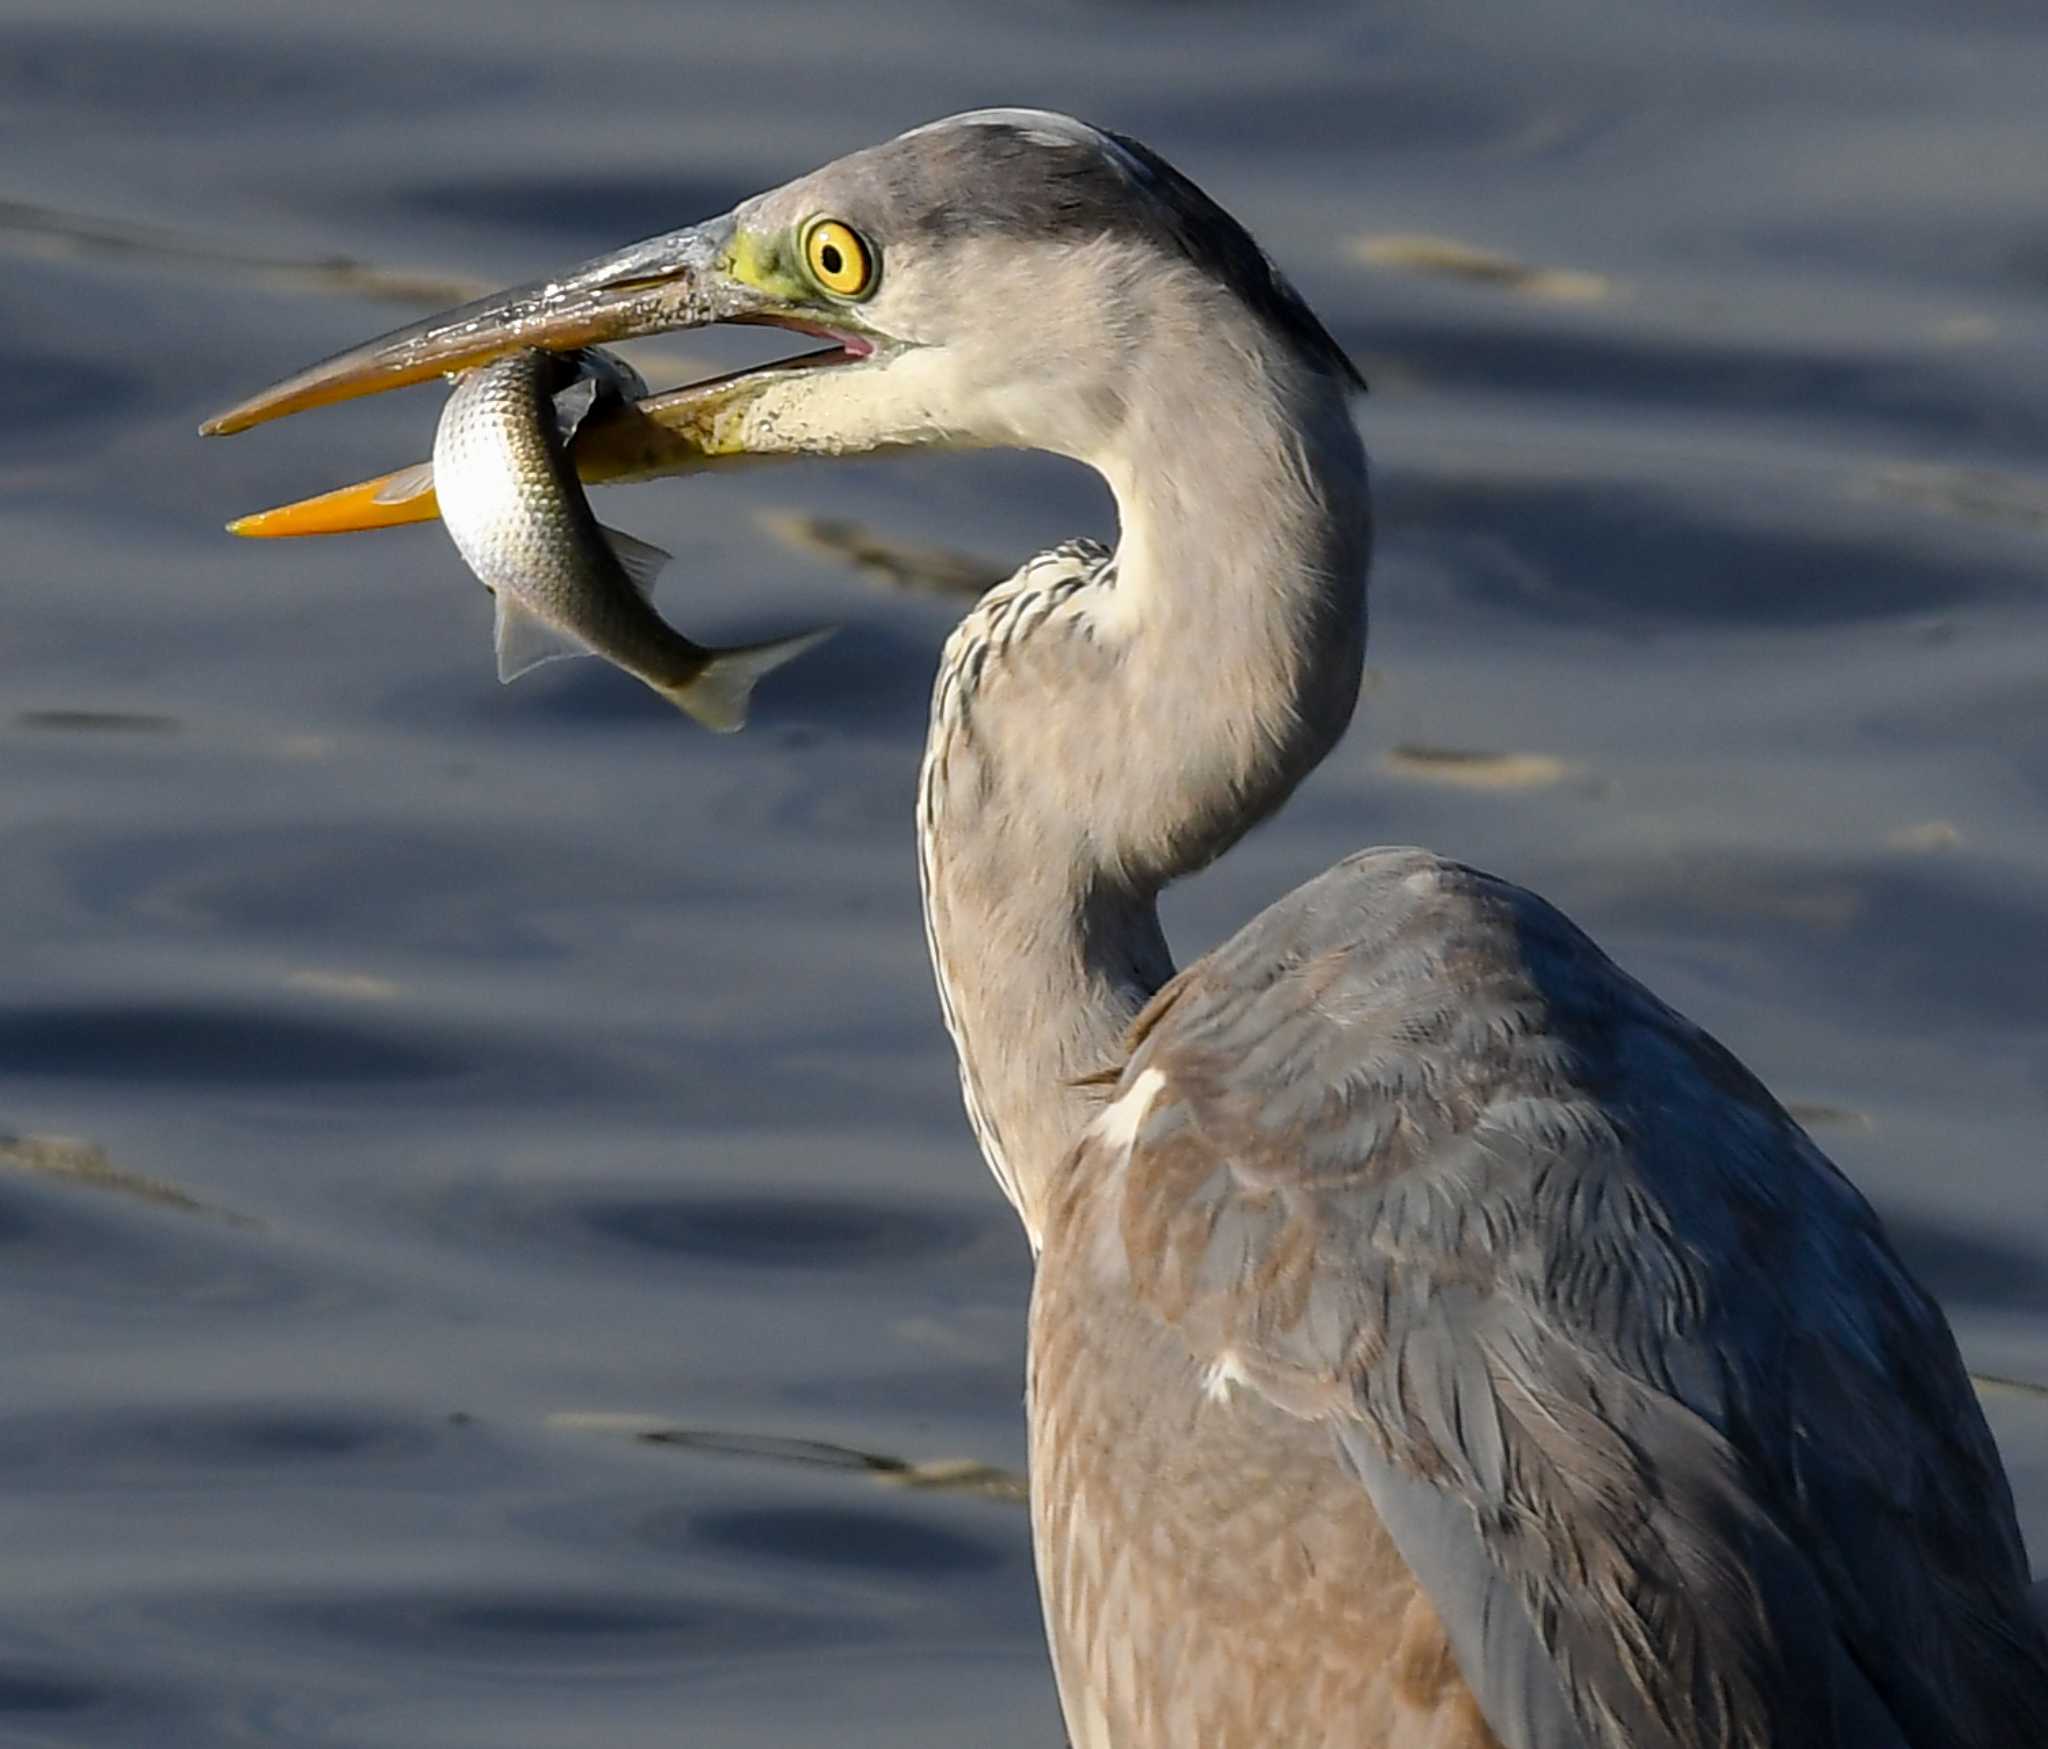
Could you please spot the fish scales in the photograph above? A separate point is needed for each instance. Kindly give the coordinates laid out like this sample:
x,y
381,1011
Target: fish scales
x,y
566,585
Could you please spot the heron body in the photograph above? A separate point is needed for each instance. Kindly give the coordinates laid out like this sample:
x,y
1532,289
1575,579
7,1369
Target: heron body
x,y
1436,1342
1670,1443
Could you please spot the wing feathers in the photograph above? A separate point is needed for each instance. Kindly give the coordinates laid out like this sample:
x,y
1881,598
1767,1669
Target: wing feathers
x,y
1681,1455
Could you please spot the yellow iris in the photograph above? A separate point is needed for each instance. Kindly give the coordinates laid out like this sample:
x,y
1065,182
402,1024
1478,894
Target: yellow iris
x,y
838,260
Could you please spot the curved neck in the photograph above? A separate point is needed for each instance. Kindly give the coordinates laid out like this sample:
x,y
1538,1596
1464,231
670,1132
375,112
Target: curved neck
x,y
1101,727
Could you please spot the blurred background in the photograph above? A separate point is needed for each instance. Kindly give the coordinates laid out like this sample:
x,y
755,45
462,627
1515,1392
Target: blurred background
x,y
416,1091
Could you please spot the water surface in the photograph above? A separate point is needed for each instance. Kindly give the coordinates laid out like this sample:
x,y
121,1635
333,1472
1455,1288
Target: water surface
x,y
461,1080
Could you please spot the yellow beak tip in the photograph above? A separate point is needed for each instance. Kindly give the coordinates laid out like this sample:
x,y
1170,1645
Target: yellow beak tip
x,y
351,509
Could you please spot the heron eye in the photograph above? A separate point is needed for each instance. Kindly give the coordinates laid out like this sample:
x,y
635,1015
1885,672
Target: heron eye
x,y
838,260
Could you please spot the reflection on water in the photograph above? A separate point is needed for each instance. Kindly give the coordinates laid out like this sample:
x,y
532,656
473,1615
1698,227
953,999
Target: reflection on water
x,y
52,235
96,722
767,1232
186,1043
1447,258
898,564
66,1157
1472,770
449,1053
946,1475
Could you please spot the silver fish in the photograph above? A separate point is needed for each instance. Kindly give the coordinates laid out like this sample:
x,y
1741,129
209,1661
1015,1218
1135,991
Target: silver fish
x,y
566,585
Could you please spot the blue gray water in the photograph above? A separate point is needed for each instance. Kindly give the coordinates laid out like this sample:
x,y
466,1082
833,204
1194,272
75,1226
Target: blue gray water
x,y
459,1078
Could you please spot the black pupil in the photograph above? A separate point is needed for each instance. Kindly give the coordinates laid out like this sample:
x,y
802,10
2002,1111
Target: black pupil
x,y
830,259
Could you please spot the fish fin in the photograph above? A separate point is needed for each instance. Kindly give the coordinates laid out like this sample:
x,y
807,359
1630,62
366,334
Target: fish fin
x,y
406,485
525,640
601,376
717,697
611,373
573,405
640,560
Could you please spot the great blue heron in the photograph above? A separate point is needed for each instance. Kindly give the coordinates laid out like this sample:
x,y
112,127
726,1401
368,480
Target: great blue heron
x,y
1436,1340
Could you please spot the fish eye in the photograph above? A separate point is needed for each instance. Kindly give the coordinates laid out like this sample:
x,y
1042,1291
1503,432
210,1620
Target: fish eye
x,y
837,259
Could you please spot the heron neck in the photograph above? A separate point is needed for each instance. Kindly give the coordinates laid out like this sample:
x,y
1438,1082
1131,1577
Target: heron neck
x,y
1039,980
1098,732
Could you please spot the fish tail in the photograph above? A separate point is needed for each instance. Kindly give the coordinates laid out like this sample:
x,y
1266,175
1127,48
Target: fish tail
x,y
717,694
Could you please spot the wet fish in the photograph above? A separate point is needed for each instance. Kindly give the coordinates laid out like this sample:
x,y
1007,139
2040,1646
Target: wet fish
x,y
565,584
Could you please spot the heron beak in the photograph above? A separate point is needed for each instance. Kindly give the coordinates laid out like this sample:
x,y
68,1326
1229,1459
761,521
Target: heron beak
x,y
673,281
385,502
620,440
686,279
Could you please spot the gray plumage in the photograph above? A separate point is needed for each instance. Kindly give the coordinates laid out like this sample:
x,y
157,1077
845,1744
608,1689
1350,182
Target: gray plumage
x,y
1427,1201
1436,1342
1024,173
1629,1370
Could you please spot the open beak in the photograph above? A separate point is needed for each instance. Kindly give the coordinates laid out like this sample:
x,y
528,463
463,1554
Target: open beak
x,y
684,279
673,281
618,440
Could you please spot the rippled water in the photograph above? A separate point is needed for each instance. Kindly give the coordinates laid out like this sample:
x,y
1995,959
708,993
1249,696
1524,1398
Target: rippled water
x,y
463,1081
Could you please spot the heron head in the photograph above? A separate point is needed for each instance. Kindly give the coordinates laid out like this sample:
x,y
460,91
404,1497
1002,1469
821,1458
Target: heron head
x,y
1010,277
1002,278
1005,278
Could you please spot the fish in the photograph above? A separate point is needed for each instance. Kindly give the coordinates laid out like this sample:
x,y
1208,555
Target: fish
x,y
565,584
